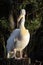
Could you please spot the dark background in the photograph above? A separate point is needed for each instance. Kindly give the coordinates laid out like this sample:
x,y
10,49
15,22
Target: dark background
x,y
34,23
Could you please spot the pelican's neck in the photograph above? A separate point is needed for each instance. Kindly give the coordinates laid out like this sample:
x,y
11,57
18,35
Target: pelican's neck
x,y
22,28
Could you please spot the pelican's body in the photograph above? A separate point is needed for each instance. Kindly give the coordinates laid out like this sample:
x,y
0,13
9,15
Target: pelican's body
x,y
21,42
19,38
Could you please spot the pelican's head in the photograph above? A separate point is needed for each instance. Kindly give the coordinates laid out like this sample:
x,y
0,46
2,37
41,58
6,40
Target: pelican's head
x,y
21,18
23,12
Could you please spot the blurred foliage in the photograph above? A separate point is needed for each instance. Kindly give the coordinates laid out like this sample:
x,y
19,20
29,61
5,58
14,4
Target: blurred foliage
x,y
34,16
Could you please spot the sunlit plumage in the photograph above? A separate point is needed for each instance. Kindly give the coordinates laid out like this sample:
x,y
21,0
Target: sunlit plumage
x,y
19,38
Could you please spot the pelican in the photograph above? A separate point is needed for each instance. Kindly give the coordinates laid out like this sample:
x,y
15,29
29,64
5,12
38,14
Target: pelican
x,y
20,37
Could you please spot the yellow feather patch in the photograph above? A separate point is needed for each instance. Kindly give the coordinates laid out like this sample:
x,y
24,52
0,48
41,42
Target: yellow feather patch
x,y
24,31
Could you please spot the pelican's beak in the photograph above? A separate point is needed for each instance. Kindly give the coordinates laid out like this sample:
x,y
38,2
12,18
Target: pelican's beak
x,y
20,17
18,21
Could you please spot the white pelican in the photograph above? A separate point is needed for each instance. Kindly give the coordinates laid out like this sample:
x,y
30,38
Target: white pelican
x,y
19,38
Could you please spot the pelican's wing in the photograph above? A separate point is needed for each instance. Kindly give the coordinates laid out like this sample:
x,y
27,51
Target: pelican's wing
x,y
10,42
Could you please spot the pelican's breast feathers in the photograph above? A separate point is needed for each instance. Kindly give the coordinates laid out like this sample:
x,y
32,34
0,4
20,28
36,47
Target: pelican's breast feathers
x,y
24,31
25,37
